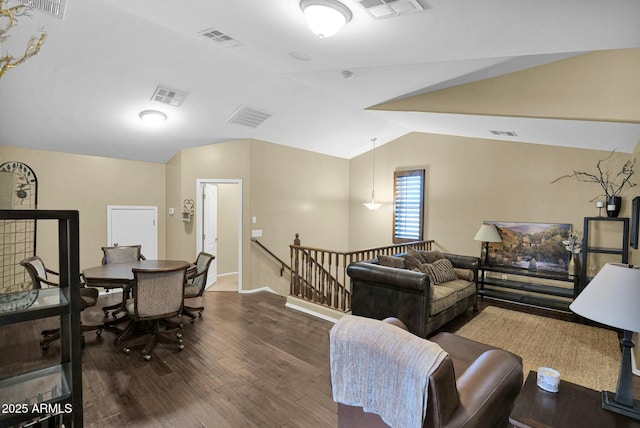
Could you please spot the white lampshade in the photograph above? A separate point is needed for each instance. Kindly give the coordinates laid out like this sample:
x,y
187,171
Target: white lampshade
x,y
153,118
325,17
488,233
611,298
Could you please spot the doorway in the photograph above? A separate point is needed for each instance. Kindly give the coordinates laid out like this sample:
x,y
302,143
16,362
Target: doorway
x,y
219,226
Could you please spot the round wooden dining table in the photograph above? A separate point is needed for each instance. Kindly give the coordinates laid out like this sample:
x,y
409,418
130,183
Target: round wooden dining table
x,y
117,275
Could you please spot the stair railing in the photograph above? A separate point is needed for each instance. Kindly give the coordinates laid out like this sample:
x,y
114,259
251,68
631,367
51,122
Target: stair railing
x,y
320,275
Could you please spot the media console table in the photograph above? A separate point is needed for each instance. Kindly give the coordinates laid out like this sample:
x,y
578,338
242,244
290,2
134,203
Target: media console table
x,y
543,289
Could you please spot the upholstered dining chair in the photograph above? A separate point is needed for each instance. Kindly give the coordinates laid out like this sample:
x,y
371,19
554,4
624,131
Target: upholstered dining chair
x,y
119,254
40,279
196,281
156,294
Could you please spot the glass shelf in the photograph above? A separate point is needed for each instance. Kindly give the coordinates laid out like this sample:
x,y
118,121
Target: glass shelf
x,y
32,304
34,394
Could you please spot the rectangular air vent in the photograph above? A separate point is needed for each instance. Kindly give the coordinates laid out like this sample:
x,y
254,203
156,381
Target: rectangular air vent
x,y
221,38
380,9
50,7
165,95
504,133
248,116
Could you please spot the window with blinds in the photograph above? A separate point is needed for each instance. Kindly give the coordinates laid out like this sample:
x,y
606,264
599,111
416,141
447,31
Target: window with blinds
x,y
408,205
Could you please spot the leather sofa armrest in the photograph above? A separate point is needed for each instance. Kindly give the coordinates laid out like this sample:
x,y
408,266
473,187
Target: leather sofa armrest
x,y
488,389
465,262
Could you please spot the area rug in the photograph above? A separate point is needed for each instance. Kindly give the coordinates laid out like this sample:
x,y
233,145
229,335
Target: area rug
x,y
584,355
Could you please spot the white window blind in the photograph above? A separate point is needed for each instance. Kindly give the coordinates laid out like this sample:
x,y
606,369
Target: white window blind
x,y
408,205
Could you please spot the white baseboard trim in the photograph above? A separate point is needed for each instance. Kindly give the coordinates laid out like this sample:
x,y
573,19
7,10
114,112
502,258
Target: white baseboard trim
x,y
326,314
228,274
256,290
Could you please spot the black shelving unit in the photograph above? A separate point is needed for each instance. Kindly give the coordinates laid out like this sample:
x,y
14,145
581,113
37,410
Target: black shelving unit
x,y
54,392
542,289
622,252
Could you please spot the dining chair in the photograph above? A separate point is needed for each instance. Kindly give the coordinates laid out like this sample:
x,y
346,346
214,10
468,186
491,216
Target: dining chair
x,y
157,294
39,275
119,254
196,281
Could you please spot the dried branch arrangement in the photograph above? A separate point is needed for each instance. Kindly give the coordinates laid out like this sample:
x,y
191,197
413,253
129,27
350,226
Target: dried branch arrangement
x,y
612,185
8,18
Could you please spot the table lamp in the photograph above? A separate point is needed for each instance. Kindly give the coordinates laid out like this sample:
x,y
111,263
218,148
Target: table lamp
x,y
611,298
487,233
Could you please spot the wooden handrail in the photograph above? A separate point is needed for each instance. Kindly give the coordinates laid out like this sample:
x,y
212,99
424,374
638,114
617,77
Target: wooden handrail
x,y
320,275
283,265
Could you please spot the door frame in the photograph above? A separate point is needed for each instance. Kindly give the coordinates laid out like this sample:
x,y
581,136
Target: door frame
x,y
199,226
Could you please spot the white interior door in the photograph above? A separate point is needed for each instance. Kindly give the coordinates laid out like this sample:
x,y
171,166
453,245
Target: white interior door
x,y
133,225
210,226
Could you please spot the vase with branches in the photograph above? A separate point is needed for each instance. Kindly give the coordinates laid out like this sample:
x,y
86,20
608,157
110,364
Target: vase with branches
x,y
611,184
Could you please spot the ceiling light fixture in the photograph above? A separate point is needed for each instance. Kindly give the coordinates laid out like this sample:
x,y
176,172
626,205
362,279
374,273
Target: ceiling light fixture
x,y
153,118
325,17
373,205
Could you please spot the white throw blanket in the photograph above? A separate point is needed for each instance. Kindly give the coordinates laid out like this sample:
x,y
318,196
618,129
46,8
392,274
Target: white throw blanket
x,y
382,368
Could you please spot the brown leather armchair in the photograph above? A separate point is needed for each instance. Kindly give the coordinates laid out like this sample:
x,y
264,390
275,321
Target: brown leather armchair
x,y
474,386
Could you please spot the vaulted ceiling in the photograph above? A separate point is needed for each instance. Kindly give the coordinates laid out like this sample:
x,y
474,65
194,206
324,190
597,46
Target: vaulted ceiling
x,y
546,72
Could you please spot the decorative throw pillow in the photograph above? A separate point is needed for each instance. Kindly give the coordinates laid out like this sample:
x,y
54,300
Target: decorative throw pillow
x,y
415,253
389,261
431,256
466,274
440,271
412,263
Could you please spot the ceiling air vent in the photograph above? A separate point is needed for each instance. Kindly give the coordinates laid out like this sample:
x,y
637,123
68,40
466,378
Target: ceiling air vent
x,y
165,95
504,133
380,9
50,7
221,38
248,116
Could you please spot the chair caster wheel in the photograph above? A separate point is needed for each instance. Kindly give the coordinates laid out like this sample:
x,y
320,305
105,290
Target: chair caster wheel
x,y
180,347
200,314
179,335
126,350
146,357
99,332
106,314
192,320
44,347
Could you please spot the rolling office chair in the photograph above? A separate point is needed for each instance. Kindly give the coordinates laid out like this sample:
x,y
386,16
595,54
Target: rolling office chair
x,y
40,278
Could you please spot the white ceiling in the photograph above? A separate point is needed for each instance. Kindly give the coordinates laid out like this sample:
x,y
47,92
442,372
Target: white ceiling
x,y
101,64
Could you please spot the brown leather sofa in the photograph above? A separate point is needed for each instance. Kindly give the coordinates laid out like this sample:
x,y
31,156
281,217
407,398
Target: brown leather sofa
x,y
474,386
380,291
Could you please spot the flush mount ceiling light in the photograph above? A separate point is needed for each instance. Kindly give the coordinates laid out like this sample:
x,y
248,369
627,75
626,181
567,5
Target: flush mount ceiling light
x,y
325,17
153,118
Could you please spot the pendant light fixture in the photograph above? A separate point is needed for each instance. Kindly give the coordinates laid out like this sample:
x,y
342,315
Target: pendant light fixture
x,y
325,17
373,205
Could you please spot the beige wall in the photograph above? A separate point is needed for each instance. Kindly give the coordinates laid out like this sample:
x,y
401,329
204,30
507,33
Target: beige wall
x,y
229,160
295,191
88,184
472,180
320,197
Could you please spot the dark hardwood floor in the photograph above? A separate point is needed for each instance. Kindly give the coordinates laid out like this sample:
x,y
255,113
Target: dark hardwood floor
x,y
248,362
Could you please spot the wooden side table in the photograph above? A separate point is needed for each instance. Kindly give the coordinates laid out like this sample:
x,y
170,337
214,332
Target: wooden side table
x,y
572,406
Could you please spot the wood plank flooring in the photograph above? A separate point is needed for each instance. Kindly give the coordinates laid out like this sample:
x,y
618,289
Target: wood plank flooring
x,y
248,362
